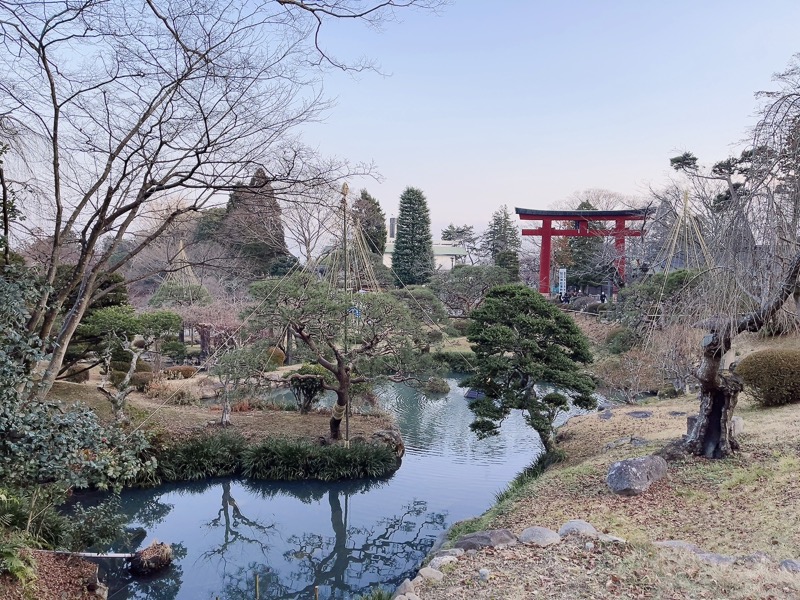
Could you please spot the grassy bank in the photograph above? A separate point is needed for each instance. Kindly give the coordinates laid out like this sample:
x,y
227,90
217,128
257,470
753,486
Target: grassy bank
x,y
736,507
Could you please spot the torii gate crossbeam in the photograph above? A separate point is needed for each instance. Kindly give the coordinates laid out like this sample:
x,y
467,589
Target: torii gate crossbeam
x,y
580,219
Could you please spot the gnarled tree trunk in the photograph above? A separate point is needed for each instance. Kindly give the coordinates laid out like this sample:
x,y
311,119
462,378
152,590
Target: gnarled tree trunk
x,y
711,435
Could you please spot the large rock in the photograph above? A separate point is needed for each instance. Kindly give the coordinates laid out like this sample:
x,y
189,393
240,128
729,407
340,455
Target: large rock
x,y
437,562
633,476
578,527
678,545
391,438
404,588
432,574
539,536
487,539
793,566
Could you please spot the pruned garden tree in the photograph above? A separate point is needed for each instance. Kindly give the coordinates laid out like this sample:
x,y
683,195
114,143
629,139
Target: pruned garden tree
x,y
412,259
521,340
352,336
120,325
165,100
756,259
242,370
464,236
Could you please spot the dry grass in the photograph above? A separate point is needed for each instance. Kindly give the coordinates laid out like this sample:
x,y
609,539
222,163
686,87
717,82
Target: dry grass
x,y
181,422
749,503
570,571
745,504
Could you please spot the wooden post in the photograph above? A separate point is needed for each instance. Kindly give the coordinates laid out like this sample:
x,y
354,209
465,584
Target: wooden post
x,y
544,258
619,246
258,593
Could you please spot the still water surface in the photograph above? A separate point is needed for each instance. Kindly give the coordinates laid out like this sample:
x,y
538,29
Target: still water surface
x,y
344,538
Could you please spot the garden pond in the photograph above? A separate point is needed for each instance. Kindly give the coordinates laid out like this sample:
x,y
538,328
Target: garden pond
x,y
342,538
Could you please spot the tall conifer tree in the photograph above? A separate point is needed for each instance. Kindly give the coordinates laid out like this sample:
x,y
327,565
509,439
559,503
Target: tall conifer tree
x,y
372,220
412,259
501,236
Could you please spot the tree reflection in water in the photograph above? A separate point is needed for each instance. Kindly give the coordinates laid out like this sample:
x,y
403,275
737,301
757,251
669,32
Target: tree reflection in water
x,y
347,563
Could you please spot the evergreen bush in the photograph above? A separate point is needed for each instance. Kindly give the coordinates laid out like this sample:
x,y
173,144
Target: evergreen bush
x,y
116,378
460,325
140,381
594,307
458,362
772,376
77,374
621,339
275,356
120,365
143,366
581,303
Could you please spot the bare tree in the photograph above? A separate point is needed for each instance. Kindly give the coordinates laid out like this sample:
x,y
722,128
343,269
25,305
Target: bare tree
x,y
309,224
164,100
756,261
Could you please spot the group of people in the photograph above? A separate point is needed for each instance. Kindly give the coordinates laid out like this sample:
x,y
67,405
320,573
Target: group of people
x,y
567,297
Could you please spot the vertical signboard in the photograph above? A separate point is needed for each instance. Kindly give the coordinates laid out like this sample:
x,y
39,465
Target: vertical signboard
x,y
562,281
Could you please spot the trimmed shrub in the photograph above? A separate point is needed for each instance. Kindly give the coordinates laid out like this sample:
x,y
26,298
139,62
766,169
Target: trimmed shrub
x,y
77,374
458,362
581,303
140,381
143,366
460,325
307,385
594,307
181,397
275,356
174,349
180,372
621,339
772,376
117,377
120,365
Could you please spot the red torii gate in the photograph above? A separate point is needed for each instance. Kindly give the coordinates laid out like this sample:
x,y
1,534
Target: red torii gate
x,y
581,220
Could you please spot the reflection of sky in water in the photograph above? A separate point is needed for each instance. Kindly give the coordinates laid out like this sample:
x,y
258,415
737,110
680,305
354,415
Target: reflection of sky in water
x,y
344,537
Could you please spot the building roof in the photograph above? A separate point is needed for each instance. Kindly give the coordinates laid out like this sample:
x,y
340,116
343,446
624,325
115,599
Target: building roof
x,y
631,213
438,249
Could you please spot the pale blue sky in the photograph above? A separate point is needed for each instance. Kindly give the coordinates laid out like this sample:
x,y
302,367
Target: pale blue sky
x,y
525,102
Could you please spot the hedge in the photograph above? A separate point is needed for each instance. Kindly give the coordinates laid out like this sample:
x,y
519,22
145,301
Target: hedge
x,y
772,376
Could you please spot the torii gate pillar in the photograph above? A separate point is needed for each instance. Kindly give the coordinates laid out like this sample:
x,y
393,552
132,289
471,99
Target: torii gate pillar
x,y
580,221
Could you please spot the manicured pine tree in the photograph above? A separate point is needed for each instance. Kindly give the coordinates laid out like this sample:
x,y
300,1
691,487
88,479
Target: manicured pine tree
x,y
412,260
372,220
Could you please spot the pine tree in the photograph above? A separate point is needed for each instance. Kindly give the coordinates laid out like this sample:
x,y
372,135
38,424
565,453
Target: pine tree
x,y
253,225
372,220
588,266
412,259
501,236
